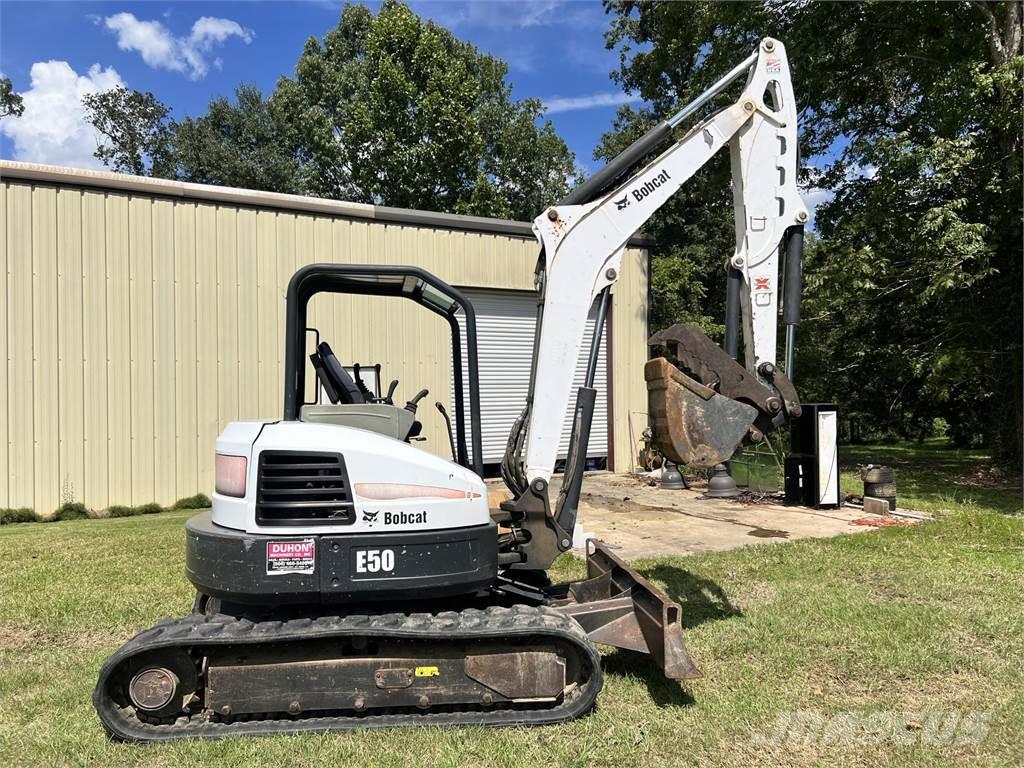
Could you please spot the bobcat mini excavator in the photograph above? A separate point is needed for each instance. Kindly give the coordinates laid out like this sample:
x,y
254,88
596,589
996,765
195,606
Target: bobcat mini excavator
x,y
346,578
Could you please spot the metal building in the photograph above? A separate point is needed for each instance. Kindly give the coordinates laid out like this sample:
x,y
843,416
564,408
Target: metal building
x,y
140,315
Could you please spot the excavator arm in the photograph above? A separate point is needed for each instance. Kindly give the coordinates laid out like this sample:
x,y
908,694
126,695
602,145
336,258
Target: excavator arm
x,y
583,239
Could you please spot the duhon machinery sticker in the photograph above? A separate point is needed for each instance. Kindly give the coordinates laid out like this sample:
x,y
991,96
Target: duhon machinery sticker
x,y
295,556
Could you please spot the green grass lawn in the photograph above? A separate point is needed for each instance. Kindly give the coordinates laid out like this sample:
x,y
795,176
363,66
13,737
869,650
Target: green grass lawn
x,y
907,622
934,478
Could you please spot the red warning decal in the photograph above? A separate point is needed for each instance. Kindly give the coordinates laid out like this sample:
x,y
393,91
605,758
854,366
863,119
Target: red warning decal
x,y
292,556
762,284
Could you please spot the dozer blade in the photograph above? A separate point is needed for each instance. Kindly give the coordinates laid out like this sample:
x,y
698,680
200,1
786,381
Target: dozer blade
x,y
693,424
617,606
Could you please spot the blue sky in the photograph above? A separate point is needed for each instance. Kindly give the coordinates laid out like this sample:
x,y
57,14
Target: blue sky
x,y
187,53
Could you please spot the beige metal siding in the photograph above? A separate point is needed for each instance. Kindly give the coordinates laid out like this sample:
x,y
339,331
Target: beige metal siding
x,y
5,380
135,326
21,401
628,356
119,380
45,427
95,362
186,372
70,369
165,463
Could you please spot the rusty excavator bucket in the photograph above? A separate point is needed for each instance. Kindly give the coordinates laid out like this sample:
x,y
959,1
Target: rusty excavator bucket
x,y
693,424
617,606
700,419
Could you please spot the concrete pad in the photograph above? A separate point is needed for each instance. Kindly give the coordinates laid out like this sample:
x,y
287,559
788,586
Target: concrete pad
x,y
643,521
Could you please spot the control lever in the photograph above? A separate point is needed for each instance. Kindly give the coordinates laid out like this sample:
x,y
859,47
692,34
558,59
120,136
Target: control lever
x,y
411,405
366,393
448,423
391,391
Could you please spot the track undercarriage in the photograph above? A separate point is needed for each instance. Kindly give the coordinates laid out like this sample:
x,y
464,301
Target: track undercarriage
x,y
217,673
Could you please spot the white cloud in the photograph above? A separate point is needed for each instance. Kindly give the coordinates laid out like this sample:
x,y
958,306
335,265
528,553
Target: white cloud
x,y
162,50
862,172
209,29
585,55
556,104
537,13
150,38
53,128
814,198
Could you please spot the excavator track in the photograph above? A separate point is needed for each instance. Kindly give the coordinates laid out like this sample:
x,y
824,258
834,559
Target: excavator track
x,y
220,675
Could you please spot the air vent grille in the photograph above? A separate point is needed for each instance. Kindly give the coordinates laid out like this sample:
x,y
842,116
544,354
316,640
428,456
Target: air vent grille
x,y
303,488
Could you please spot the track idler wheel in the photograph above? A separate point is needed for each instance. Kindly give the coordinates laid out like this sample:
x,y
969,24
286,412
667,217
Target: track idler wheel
x,y
161,685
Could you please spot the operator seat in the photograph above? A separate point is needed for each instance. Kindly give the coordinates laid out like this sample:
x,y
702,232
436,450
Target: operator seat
x,y
348,406
346,389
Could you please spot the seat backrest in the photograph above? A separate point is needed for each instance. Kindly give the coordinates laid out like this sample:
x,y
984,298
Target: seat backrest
x,y
348,392
325,380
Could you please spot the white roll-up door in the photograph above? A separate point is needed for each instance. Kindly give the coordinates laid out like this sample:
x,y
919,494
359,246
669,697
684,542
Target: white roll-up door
x,y
505,323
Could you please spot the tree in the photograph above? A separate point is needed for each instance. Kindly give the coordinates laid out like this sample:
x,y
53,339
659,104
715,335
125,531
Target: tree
x,y
11,103
911,121
136,132
237,145
392,110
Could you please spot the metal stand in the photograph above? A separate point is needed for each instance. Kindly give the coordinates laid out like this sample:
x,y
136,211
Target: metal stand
x,y
671,478
721,485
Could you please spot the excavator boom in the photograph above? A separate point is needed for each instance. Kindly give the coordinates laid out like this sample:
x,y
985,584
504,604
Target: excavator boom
x,y
703,419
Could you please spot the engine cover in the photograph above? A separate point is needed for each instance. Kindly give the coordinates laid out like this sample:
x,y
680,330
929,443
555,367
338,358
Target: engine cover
x,y
306,478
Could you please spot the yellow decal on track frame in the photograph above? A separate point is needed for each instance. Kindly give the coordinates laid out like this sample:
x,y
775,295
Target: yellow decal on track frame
x,y
427,671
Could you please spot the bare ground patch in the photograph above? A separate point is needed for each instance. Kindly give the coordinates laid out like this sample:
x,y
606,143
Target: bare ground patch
x,y
18,637
22,637
904,692
989,476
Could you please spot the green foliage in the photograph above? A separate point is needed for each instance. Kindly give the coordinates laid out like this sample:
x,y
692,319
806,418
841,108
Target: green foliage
x,y
123,511
237,145
11,103
911,122
19,515
78,511
199,501
136,129
71,510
